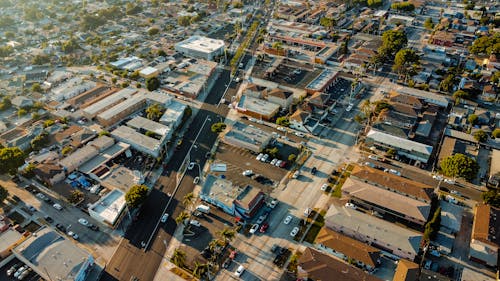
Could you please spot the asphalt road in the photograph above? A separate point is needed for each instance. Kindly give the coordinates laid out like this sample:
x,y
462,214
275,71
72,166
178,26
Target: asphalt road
x,y
130,261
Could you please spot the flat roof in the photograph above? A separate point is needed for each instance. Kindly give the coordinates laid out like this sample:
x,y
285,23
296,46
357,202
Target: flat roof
x,y
8,238
79,157
383,231
451,215
148,125
172,112
401,143
320,81
122,106
258,106
130,136
108,101
221,190
248,133
103,157
201,44
148,70
51,255
495,162
110,206
387,199
425,95
121,178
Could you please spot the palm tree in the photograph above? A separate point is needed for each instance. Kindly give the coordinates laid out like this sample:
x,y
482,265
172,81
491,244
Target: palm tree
x,y
154,112
178,258
200,269
181,218
227,234
188,200
212,245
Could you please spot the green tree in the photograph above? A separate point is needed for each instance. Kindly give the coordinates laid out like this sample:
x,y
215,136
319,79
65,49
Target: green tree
x,y
492,197
4,193
36,88
403,6
374,3
154,111
496,133
218,127
429,24
182,217
104,133
40,141
406,62
327,22
227,234
486,44
283,121
447,83
292,157
29,170
48,123
6,51
200,269
473,119
187,200
5,104
392,42
136,195
11,159
184,20
76,196
178,258
460,94
152,84
66,150
480,136
153,31
459,165
21,112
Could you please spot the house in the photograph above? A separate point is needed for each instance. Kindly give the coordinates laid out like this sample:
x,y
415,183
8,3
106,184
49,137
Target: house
x,y
319,100
490,93
49,173
408,100
317,266
406,271
257,108
299,120
443,38
383,201
238,201
22,102
485,238
278,96
346,248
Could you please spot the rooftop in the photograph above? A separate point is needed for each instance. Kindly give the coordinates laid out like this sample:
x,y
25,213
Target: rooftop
x,y
201,44
404,206
451,215
380,230
148,125
121,178
319,82
406,271
248,133
110,206
486,225
400,143
8,238
103,104
134,138
172,112
259,106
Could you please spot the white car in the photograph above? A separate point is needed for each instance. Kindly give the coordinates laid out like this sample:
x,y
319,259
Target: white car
x,y
296,174
41,196
455,192
247,173
450,181
83,222
273,203
437,177
196,180
299,134
349,107
282,129
259,156
307,212
294,232
195,223
164,218
395,172
191,166
373,157
350,205
239,271
73,235
273,162
264,158
57,206
20,270
278,163
324,187
287,220
254,228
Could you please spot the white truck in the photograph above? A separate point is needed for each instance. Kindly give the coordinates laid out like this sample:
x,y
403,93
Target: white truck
x,y
203,208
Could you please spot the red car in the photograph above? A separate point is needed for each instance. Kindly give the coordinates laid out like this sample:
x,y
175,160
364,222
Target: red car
x,y
264,227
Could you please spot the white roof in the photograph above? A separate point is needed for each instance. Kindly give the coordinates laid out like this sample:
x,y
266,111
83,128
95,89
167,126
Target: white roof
x,y
135,139
109,206
148,125
148,70
398,142
106,102
201,44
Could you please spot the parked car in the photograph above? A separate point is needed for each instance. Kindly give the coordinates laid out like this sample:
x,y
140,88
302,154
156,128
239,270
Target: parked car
x,y
57,206
314,170
247,173
261,219
93,227
455,192
428,264
349,107
324,187
164,218
283,164
287,220
48,219
31,208
254,228
296,174
41,196
264,227
20,270
294,231
195,223
307,212
264,158
83,222
239,271
61,227
24,274
449,181
273,203
72,234
278,163
259,156
196,180
282,129
13,269
191,166
226,263
350,205
437,177
373,157
299,134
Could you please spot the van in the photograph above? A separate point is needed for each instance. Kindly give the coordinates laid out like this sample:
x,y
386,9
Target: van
x,y
203,208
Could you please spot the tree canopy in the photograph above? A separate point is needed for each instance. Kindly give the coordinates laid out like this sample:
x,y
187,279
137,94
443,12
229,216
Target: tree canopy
x,y
136,195
11,159
403,6
429,24
496,133
154,111
473,119
480,136
406,62
460,165
283,121
152,83
492,197
392,42
486,45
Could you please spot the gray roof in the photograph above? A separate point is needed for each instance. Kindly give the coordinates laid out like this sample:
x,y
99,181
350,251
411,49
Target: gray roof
x,y
397,142
135,139
148,125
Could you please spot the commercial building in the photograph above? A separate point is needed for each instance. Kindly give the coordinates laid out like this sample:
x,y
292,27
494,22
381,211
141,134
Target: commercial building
x,y
201,47
138,141
98,91
346,248
386,236
109,208
247,136
315,265
94,109
257,108
404,147
86,153
191,78
149,72
321,82
173,114
485,239
237,201
384,202
9,239
55,257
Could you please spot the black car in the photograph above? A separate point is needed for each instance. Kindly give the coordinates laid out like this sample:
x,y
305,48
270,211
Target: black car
x,y
15,198
314,170
48,219
93,227
61,227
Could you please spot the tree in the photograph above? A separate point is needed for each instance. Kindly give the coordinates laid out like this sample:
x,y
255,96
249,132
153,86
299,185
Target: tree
x,y
406,62
227,234
153,31
327,22
447,83
187,200
374,3
218,127
182,217
36,88
5,104
392,42
21,112
492,197
359,119
391,152
403,6
29,170
154,111
473,119
152,83
459,165
486,44
104,133
136,195
4,193
283,121
75,197
200,269
40,141
429,24
460,94
11,159
496,133
480,136
48,123
6,51
292,157
178,258
184,20
66,150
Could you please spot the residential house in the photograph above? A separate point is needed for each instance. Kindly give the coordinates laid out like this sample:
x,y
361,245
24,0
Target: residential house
x,y
319,100
299,121
406,271
485,238
443,38
346,248
22,102
317,266
490,93
278,96
49,173
408,100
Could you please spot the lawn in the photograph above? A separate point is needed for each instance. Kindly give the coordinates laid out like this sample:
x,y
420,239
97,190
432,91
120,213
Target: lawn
x,y
315,227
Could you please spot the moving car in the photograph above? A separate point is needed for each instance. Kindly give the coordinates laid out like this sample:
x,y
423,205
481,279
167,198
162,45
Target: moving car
x,y
48,219
239,271
294,232
254,228
349,107
287,220
164,218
